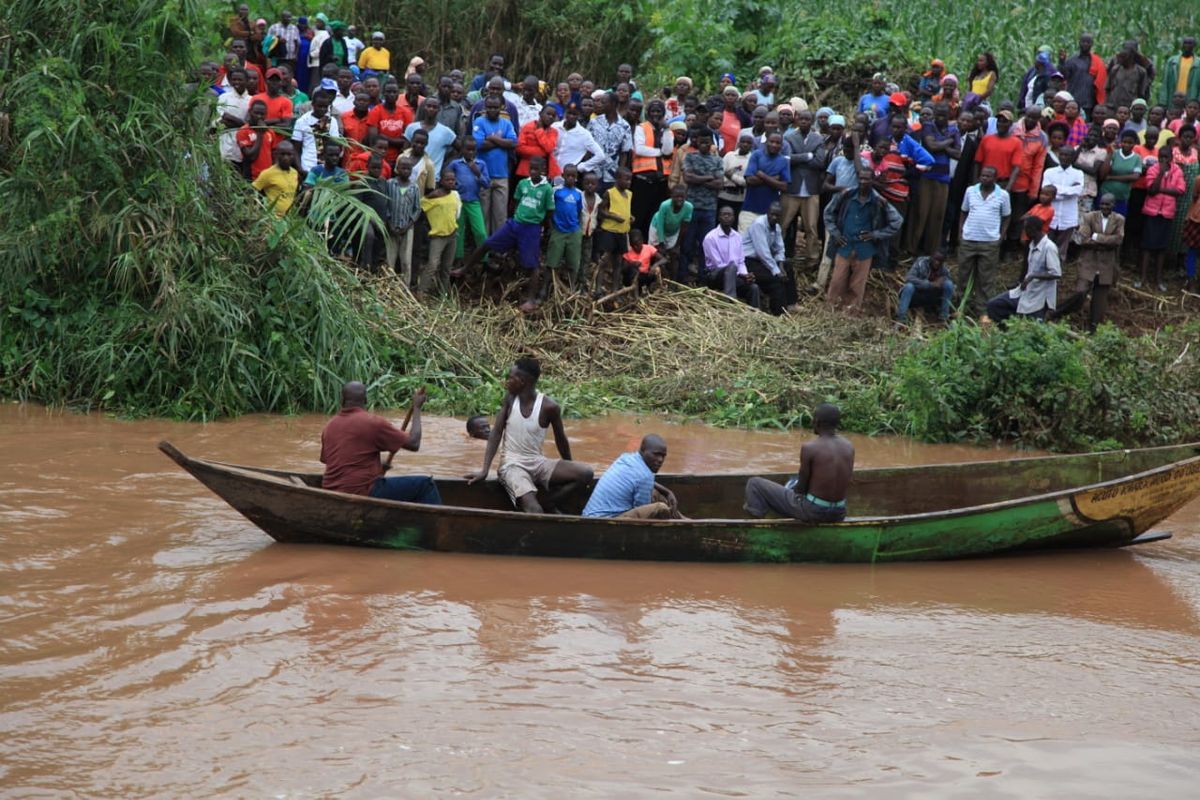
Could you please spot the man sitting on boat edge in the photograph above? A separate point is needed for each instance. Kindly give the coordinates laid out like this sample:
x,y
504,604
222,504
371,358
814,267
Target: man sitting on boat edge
x,y
352,441
819,495
523,467
627,489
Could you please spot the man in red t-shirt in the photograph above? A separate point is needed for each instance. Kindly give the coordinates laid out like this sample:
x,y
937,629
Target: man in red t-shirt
x,y
279,105
389,119
355,127
351,444
1001,150
257,141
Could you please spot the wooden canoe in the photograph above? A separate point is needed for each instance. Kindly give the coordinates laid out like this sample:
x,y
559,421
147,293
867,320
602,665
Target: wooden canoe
x,y
902,514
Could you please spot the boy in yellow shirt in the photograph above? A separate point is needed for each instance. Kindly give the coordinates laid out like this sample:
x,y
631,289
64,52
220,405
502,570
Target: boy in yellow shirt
x,y
612,239
280,181
441,207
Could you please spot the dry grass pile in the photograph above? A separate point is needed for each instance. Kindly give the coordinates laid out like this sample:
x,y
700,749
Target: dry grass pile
x,y
667,350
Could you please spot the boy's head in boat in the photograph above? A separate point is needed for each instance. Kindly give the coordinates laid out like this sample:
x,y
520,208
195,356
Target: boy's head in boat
x,y
826,418
523,376
478,427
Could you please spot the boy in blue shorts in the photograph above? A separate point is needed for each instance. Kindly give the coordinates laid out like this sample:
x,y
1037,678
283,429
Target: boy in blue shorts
x,y
522,232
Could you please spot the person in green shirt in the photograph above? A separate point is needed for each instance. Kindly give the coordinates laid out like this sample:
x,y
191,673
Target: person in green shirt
x,y
522,232
668,226
1124,170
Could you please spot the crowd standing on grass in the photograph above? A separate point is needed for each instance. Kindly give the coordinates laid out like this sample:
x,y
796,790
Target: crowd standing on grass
x,y
617,185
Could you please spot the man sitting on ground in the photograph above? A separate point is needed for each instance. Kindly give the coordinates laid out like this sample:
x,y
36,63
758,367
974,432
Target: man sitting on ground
x,y
521,425
1038,292
927,285
351,444
627,488
819,494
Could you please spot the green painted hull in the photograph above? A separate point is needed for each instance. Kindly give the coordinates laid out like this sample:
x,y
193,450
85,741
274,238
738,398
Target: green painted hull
x,y
1111,512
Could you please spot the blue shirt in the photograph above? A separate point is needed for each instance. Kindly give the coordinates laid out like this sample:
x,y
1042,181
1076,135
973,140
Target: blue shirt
x,y
626,484
860,218
873,104
845,172
567,203
317,173
759,197
497,157
467,184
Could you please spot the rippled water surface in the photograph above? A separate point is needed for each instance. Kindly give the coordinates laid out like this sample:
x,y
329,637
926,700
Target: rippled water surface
x,y
155,644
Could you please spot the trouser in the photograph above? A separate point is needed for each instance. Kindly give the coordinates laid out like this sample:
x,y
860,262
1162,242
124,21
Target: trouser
x,y
940,298
764,496
1062,240
703,221
368,250
401,262
1099,300
648,195
725,279
769,283
745,219
925,230
848,282
408,489
566,247
888,256
648,511
826,266
1003,306
494,200
470,218
977,266
807,211
441,258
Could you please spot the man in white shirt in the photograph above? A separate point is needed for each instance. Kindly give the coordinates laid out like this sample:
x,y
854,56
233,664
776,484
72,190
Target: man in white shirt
x,y
575,144
1068,181
528,107
1038,292
312,126
321,33
343,100
354,45
233,106
984,223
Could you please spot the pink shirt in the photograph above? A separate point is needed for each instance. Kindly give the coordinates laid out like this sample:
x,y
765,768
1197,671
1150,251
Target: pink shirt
x,y
721,249
1161,204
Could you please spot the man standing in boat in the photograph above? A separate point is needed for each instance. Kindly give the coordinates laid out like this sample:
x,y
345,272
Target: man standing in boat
x,y
521,424
352,442
627,489
819,494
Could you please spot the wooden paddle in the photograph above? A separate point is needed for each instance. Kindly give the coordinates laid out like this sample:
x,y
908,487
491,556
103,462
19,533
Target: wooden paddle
x,y
404,427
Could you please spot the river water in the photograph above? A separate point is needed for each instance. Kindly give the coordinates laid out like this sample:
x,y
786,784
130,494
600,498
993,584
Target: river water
x,y
155,644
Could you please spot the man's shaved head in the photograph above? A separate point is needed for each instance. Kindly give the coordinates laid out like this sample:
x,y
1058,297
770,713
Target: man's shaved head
x,y
826,416
653,451
354,395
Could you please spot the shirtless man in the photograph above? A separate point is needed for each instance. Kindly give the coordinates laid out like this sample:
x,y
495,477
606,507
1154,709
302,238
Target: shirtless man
x,y
521,424
819,494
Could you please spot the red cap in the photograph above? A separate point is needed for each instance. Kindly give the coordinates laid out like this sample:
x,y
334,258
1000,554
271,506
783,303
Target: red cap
x,y
898,99
274,72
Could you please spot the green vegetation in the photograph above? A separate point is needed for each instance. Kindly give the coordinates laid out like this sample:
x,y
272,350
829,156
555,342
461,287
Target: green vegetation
x,y
139,275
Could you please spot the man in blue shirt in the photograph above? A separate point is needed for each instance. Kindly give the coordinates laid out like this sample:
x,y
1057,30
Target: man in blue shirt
x,y
768,173
626,489
856,222
496,138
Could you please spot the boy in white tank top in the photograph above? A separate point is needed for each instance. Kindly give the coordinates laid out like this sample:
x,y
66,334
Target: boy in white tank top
x,y
521,424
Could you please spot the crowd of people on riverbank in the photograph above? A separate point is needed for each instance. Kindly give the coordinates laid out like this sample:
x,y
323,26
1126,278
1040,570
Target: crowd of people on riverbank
x,y
755,194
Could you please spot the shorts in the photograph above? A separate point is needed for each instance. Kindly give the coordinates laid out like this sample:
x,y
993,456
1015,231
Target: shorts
x,y
525,237
668,243
519,479
1156,233
604,242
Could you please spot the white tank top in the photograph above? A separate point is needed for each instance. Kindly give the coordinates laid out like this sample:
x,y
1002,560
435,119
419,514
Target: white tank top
x,y
524,436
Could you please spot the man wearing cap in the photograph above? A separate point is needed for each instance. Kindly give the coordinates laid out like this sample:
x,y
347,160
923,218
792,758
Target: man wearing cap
x,y
287,35
1137,117
1000,150
1182,74
1127,81
319,37
375,60
881,128
875,102
765,93
279,106
930,83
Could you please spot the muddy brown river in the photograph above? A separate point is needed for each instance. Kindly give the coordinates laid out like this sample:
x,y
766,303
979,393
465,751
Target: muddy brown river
x,y
155,644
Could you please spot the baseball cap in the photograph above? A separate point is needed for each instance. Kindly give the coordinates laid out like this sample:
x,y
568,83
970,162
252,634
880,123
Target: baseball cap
x,y
898,99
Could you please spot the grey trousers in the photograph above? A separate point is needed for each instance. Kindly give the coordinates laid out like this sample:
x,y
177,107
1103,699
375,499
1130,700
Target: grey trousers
x,y
978,263
763,496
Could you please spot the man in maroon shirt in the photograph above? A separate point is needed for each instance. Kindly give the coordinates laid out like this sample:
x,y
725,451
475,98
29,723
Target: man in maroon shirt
x,y
351,444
